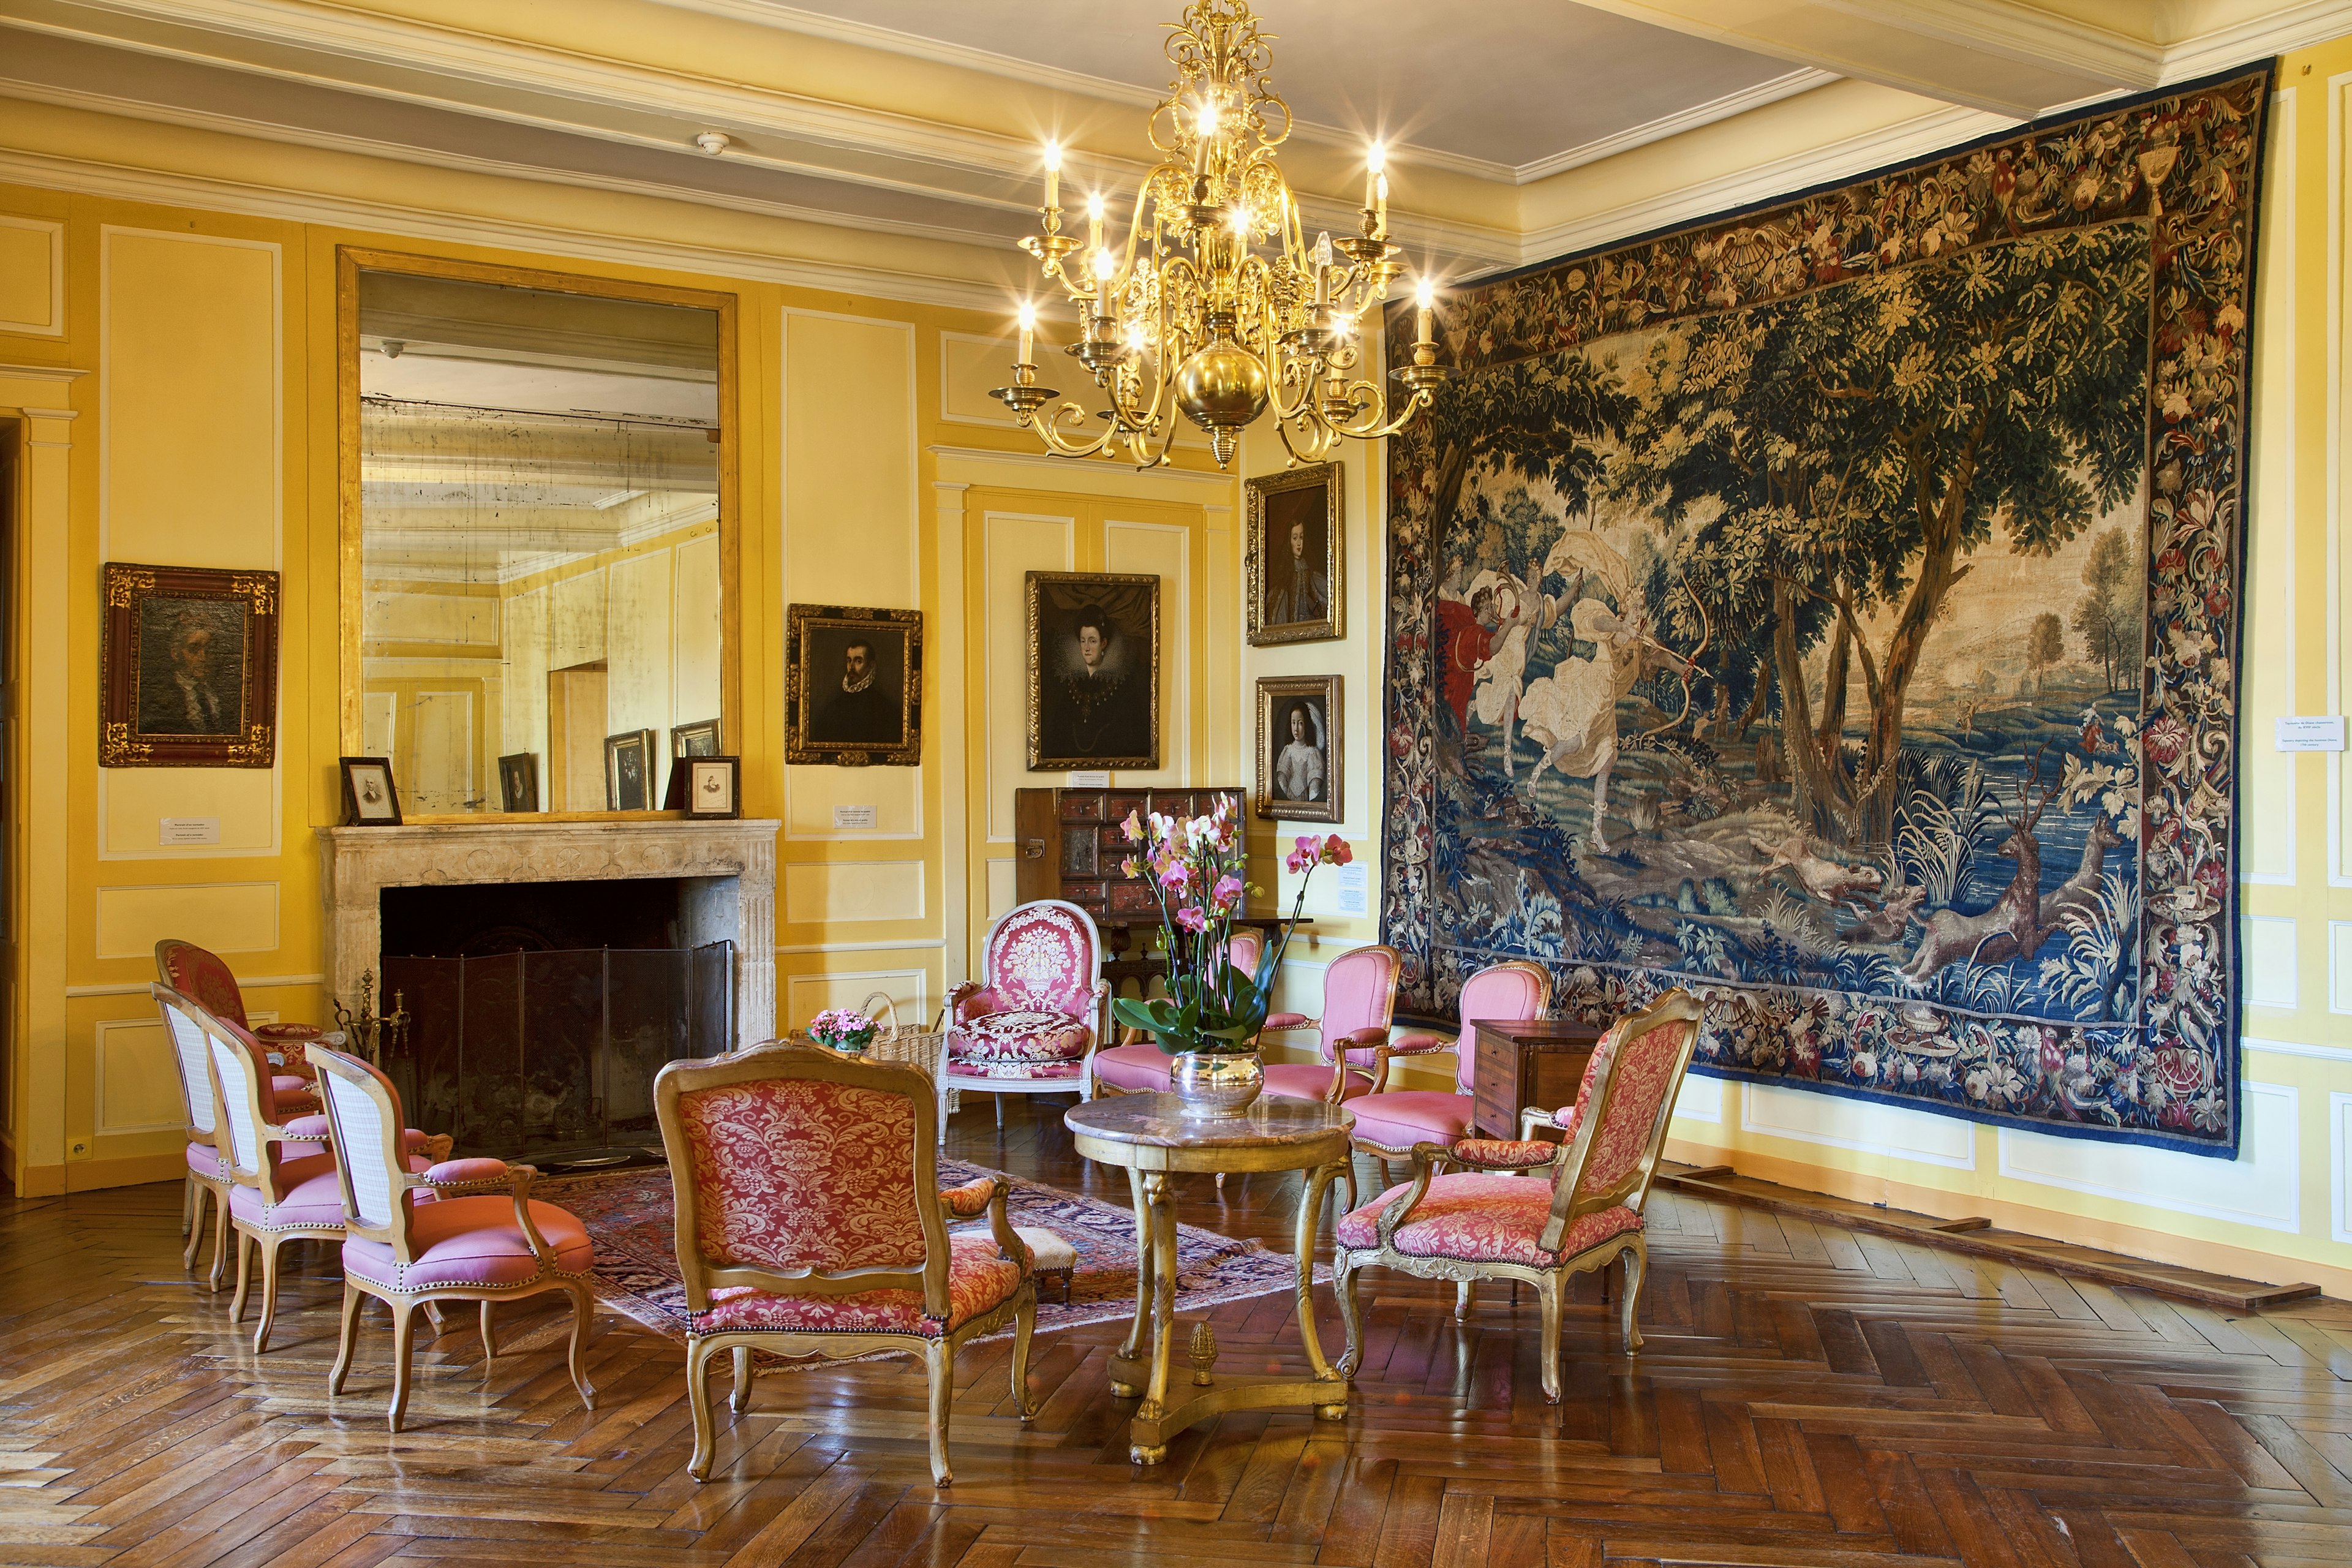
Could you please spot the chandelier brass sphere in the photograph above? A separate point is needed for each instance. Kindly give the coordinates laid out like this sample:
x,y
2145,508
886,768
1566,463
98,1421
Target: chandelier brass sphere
x,y
1217,306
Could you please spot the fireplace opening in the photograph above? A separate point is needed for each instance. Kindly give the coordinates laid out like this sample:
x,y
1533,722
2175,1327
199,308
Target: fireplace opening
x,y
539,1012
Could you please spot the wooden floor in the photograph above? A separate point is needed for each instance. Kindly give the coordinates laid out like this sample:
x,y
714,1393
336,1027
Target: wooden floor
x,y
1808,1396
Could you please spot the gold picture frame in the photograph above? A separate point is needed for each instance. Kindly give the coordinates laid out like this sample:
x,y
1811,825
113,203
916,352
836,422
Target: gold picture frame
x,y
846,710
1297,593
1298,775
1090,635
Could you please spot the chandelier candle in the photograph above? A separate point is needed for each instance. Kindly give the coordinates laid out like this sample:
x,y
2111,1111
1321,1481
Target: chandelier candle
x,y
1214,307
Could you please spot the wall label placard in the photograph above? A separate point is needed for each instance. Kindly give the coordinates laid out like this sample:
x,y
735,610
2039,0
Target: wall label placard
x,y
1097,780
853,817
2311,733
187,831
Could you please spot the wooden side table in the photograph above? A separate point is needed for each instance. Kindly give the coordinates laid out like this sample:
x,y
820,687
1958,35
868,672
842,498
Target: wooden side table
x,y
1539,1063
1143,1133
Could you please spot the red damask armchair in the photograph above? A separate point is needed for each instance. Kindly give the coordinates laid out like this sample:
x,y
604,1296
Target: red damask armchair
x,y
1495,1223
810,1222
1029,1023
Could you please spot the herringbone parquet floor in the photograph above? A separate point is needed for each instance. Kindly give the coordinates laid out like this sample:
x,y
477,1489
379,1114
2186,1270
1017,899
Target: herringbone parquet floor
x,y
1808,1397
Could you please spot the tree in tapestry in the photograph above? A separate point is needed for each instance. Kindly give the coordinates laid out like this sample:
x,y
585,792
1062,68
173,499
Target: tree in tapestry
x,y
1835,609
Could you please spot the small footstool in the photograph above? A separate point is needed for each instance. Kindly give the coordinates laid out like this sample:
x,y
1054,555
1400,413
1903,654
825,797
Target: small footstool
x,y
1049,1254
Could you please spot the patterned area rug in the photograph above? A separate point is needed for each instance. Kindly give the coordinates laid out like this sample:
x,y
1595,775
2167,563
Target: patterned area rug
x,y
627,1214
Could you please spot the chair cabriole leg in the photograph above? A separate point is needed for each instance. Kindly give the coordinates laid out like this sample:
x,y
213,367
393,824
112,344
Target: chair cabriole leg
x,y
404,1334
697,1401
1548,1296
268,1246
1025,1324
1637,1264
354,1298
221,1228
244,1244
1344,1275
583,1308
940,1357
739,1398
490,1337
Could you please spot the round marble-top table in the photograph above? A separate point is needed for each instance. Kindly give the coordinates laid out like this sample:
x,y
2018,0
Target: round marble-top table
x,y
1143,1133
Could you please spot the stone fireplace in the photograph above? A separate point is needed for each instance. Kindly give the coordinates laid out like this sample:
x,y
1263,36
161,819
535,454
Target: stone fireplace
x,y
726,873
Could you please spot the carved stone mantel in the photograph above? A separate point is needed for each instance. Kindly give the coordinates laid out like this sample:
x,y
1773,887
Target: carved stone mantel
x,y
734,864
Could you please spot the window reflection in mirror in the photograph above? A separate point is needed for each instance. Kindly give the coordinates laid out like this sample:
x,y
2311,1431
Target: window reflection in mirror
x,y
539,562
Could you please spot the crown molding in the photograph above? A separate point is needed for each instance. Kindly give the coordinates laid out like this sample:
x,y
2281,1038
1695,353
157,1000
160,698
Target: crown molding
x,y
2299,27
1067,468
1927,134
40,372
209,195
1674,124
2013,32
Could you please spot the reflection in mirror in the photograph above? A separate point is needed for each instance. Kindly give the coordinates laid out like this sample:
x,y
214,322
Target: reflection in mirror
x,y
539,539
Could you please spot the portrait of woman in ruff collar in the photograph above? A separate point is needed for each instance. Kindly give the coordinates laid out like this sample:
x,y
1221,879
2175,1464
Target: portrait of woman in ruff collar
x,y
1094,670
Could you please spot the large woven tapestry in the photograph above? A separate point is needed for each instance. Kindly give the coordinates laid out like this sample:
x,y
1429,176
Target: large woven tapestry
x,y
1833,608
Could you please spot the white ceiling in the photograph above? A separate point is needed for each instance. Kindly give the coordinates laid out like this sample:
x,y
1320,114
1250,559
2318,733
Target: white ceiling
x,y
1504,86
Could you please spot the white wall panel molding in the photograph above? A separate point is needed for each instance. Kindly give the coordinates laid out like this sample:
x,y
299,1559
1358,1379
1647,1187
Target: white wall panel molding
x,y
2269,791
2295,1048
243,982
1833,1121
2262,1186
1699,1100
47,236
807,994
2266,945
1052,546
914,944
1082,477
2339,852
2339,1166
828,893
133,1082
2339,966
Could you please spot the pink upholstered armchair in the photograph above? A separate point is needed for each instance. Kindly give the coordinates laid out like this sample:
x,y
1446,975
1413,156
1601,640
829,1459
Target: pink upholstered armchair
x,y
1487,1225
462,1230
1142,1068
1359,990
208,1180
281,1169
1390,1122
204,979
1036,1014
810,1222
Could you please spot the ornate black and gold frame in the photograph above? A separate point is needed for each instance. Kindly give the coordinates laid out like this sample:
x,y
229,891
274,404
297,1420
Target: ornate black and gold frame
x,y
625,790
164,699
1097,715
1311,498
831,718
1315,696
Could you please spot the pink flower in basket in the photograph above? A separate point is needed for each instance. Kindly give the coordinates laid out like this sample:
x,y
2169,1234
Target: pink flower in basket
x,y
843,1028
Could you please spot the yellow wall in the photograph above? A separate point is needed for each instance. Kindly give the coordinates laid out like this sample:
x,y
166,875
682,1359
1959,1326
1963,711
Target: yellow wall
x,y
190,385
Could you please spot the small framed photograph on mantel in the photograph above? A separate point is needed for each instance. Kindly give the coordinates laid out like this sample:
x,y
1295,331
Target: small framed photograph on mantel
x,y
369,799
518,781
1298,748
629,771
713,786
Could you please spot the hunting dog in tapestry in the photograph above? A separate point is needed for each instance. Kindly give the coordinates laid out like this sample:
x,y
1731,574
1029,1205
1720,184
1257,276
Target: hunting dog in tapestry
x,y
1833,608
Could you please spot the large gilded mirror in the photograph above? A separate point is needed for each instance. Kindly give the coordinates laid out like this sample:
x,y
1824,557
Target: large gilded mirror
x,y
537,501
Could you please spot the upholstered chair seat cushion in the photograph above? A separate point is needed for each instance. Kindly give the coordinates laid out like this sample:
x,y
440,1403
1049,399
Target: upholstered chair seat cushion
x,y
1311,1080
313,1197
1404,1117
1139,1068
1483,1219
471,1241
1026,1035
979,1279
294,1096
993,1070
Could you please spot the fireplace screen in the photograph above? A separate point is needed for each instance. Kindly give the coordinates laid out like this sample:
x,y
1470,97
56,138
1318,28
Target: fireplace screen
x,y
545,1054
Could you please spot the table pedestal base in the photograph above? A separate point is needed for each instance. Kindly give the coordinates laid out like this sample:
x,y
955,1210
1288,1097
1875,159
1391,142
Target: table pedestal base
x,y
1141,1366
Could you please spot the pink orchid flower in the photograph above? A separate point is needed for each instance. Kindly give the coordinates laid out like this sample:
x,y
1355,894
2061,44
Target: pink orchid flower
x,y
1227,893
1133,829
1192,918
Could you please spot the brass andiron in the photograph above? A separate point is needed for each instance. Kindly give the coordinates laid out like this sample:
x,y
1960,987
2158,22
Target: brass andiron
x,y
368,1031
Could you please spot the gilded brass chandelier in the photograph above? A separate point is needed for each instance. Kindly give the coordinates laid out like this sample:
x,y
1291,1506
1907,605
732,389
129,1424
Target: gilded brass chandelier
x,y
1217,306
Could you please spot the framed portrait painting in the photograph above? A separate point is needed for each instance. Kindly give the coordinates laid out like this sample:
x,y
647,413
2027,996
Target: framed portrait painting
x,y
518,781
1094,670
629,771
188,668
1297,551
1298,748
853,685
699,738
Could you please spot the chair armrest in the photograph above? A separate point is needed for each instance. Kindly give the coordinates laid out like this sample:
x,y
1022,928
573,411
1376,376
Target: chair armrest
x,y
961,999
970,1200
1426,1157
1369,1038
1412,1045
460,1178
1286,1021
1000,1225
1503,1153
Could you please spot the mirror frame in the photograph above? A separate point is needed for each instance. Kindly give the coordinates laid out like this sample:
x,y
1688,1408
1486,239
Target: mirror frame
x,y
352,261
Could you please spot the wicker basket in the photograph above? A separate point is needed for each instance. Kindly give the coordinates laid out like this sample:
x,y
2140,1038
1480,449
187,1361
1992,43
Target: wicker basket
x,y
915,1047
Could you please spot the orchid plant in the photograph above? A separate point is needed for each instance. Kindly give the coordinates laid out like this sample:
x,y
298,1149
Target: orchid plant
x,y
1197,872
